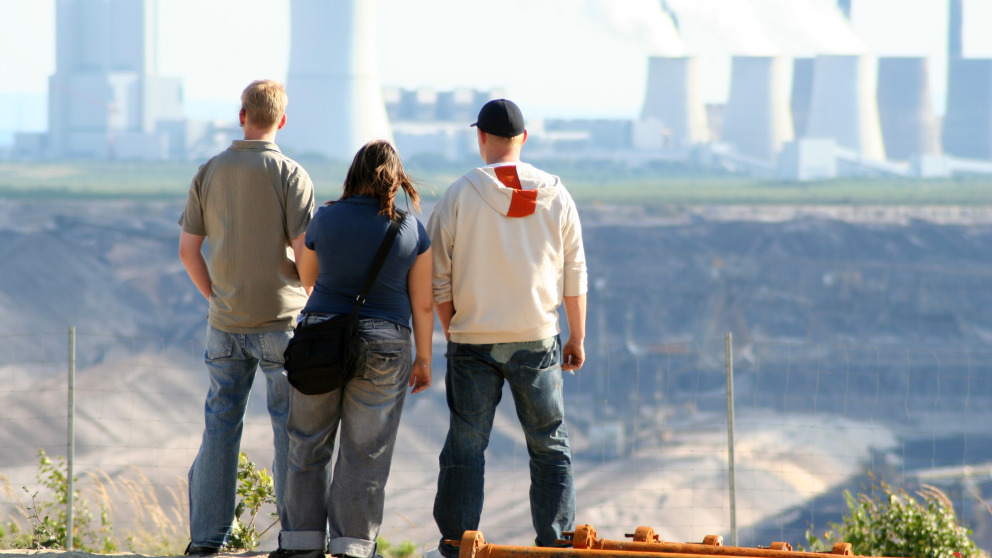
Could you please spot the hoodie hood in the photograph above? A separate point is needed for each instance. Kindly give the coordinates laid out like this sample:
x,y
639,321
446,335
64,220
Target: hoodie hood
x,y
515,190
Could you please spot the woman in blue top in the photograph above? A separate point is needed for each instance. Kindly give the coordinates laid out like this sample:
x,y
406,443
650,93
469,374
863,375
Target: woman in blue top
x,y
341,243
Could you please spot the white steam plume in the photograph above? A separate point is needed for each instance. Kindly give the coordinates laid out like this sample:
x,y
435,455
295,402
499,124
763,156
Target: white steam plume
x,y
765,27
643,22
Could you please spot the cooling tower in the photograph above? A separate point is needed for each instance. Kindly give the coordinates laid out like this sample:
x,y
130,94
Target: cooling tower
x,y
758,119
335,99
909,127
968,119
802,94
844,105
674,96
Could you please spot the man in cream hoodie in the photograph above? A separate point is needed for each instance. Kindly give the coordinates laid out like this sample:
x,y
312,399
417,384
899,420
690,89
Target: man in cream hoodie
x,y
507,253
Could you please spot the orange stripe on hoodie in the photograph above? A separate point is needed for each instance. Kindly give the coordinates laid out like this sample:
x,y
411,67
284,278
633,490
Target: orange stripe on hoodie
x,y
522,202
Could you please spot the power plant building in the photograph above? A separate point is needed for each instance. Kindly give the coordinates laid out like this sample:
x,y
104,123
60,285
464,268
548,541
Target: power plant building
x,y
105,97
432,123
794,115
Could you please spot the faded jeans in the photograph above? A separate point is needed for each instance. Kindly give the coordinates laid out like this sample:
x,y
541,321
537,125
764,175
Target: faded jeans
x,y
232,359
367,411
474,384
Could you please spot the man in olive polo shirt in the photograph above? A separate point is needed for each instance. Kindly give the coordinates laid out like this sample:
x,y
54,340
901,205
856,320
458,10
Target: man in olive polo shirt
x,y
251,204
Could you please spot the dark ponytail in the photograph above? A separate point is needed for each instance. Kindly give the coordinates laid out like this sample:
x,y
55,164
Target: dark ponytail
x,y
378,172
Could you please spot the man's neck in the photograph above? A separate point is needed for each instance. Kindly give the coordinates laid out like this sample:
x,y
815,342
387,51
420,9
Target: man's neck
x,y
260,135
505,157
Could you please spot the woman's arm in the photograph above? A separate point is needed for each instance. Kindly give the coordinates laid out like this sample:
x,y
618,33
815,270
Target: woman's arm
x,y
422,307
306,264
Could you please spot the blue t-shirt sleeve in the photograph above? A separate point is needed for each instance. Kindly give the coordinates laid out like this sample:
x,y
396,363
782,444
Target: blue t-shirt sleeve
x,y
423,241
311,235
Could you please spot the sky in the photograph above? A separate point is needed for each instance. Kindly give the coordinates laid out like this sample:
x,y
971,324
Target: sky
x,y
556,58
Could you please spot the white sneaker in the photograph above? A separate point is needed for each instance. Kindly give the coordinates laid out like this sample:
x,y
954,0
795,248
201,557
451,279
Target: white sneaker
x,y
433,553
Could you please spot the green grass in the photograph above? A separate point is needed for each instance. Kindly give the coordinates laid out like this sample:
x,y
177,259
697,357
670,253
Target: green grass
x,y
588,184
740,191
137,180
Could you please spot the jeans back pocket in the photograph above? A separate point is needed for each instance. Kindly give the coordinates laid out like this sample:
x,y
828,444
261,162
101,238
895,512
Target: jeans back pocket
x,y
386,362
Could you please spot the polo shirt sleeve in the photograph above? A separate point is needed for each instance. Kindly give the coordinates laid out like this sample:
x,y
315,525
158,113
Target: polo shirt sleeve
x,y
191,220
299,203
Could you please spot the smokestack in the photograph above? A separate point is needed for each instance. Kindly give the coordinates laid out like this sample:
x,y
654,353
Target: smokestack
x,y
906,115
335,98
844,105
802,94
955,50
845,8
674,97
758,118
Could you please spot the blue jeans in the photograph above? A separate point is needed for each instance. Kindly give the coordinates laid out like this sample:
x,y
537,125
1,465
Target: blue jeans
x,y
232,359
367,411
474,384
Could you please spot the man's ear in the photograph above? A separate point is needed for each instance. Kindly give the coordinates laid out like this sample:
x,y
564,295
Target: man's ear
x,y
282,122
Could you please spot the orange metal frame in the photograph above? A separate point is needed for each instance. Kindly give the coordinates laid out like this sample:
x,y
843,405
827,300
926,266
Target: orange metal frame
x,y
644,544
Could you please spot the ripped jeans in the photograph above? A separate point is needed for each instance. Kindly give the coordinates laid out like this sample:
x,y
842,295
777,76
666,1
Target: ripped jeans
x,y
367,411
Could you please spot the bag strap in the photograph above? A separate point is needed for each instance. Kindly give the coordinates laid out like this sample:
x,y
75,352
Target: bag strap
x,y
380,258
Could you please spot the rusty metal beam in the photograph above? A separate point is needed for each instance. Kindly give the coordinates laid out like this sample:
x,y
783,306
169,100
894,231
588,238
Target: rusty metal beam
x,y
474,545
645,544
645,540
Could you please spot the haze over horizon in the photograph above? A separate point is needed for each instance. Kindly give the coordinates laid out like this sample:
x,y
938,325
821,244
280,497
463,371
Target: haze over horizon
x,y
559,58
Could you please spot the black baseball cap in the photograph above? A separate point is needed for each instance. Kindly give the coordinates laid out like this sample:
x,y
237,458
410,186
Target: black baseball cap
x,y
501,117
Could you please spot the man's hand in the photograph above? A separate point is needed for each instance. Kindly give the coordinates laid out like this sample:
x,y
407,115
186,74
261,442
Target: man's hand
x,y
573,355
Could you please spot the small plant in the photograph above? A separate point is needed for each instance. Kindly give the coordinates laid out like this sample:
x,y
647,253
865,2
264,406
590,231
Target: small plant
x,y
255,489
404,550
39,516
887,522
47,515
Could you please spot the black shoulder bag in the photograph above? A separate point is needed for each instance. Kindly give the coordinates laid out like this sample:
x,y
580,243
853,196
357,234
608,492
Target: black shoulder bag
x,y
322,357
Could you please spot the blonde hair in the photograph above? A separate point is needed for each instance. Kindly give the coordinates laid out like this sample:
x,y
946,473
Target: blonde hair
x,y
264,102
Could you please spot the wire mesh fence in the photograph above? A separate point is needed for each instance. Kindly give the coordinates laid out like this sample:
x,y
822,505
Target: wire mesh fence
x,y
649,428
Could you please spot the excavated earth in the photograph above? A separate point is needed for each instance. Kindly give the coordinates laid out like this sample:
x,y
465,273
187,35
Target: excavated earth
x,y
831,309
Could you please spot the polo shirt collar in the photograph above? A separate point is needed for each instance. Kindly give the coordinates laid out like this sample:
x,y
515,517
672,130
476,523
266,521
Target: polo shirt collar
x,y
260,145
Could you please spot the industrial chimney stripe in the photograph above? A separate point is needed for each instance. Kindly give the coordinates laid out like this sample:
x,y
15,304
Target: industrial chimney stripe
x,y
523,202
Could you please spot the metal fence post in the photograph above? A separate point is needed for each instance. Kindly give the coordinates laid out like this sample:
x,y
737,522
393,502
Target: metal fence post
x,y
71,450
729,352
